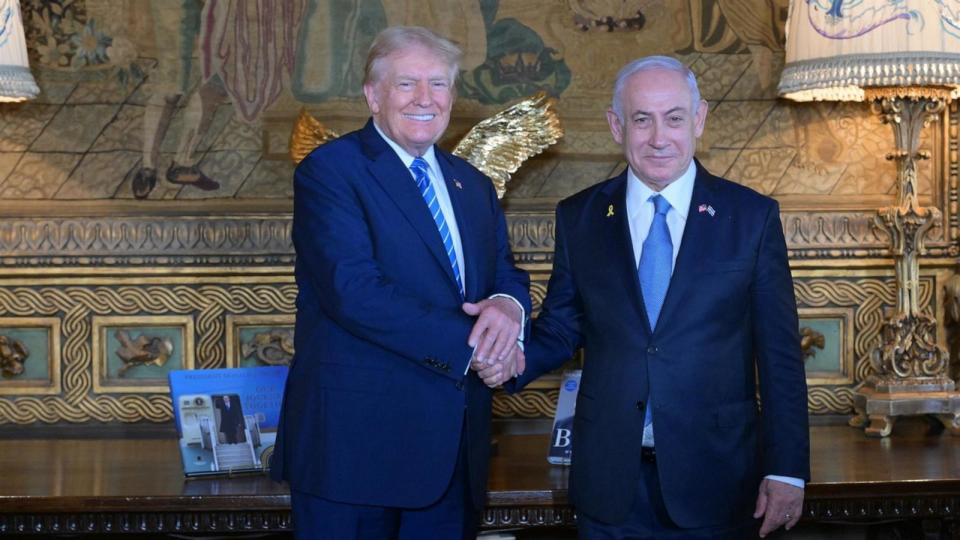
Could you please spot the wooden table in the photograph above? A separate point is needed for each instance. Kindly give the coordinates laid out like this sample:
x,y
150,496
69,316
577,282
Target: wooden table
x,y
137,485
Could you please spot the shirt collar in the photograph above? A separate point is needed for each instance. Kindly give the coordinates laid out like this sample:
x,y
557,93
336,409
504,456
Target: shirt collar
x,y
429,156
678,193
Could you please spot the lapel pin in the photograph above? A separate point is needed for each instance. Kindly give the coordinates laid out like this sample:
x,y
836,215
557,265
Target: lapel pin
x,y
708,209
610,211
457,183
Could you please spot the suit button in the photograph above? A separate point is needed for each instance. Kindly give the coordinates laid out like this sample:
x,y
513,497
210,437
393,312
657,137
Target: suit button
x,y
652,350
641,405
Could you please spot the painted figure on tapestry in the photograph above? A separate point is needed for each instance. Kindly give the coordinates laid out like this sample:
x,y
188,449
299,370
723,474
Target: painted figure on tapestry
x,y
226,34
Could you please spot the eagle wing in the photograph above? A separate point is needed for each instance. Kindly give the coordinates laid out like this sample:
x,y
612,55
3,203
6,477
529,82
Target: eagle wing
x,y
500,144
307,134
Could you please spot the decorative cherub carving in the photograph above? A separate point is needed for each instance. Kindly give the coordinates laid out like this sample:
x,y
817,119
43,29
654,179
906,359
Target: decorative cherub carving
x,y
810,339
144,350
273,348
13,353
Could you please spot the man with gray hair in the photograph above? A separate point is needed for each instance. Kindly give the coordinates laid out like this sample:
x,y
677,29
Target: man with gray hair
x,y
676,284
405,281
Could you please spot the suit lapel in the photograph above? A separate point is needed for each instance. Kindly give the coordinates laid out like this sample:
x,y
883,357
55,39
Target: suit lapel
x,y
389,172
697,235
614,233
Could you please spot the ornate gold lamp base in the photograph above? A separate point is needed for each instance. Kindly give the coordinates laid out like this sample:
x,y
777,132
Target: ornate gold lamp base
x,y
914,382
911,368
877,410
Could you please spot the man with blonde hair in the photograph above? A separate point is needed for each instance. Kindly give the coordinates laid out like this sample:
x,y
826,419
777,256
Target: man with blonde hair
x,y
405,274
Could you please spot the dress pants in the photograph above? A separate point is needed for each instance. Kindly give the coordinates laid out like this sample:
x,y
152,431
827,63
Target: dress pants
x,y
649,520
451,517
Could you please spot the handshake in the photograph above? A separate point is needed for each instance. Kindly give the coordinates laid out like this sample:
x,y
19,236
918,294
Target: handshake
x,y
497,356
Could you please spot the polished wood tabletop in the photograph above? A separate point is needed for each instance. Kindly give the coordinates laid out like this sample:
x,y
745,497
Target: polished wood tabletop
x,y
911,469
33,469
107,474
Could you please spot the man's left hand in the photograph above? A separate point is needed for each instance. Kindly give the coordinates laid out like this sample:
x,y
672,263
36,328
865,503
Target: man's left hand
x,y
494,335
780,504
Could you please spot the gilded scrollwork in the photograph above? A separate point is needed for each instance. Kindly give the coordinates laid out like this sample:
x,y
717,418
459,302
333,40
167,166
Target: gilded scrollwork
x,y
120,237
526,404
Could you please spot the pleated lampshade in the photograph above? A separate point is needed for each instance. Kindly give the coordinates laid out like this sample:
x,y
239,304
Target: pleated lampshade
x,y
16,82
856,51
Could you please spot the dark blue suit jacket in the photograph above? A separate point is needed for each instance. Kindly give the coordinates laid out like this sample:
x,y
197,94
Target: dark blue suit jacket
x,y
376,398
729,320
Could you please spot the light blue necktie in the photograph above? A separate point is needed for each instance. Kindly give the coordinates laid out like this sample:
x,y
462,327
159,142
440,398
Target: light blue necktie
x,y
419,168
656,264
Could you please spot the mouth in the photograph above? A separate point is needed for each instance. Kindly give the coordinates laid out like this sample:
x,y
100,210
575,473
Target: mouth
x,y
419,117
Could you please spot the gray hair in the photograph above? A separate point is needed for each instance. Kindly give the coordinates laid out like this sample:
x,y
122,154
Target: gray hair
x,y
648,63
398,38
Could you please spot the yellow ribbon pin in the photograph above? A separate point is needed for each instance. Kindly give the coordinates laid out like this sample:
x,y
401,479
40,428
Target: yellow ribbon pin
x,y
610,210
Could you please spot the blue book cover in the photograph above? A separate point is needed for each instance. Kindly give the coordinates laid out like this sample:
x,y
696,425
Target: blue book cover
x,y
561,438
227,418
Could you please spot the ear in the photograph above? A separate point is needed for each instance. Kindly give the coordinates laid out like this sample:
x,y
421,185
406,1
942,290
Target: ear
x,y
373,103
700,119
616,127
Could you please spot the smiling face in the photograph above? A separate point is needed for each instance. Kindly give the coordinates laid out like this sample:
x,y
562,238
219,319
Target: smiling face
x,y
412,97
660,127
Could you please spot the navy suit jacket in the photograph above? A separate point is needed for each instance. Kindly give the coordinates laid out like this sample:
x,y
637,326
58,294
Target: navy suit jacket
x,y
376,398
729,320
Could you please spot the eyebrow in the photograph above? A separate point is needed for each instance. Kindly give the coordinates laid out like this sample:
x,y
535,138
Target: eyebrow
x,y
402,78
671,111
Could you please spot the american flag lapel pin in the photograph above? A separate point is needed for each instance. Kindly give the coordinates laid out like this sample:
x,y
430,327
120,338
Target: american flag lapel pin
x,y
457,183
707,208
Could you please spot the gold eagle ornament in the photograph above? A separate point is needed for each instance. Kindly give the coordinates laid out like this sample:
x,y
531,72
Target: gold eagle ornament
x,y
308,133
497,145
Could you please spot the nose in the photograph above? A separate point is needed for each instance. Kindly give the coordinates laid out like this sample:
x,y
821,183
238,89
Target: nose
x,y
423,95
657,136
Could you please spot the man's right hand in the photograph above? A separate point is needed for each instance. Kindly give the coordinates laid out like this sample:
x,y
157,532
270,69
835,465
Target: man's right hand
x,y
498,372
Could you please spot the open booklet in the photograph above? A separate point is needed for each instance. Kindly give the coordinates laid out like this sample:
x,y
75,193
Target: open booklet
x,y
227,418
561,438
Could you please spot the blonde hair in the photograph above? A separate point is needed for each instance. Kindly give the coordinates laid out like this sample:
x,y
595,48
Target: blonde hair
x,y
398,38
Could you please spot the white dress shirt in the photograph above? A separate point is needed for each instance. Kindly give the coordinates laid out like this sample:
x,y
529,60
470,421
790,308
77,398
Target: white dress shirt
x,y
640,211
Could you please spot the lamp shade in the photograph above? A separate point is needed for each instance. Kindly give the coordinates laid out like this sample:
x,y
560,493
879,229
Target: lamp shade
x,y
16,82
840,50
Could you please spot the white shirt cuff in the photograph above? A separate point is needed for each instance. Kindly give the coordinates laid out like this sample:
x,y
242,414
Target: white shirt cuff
x,y
796,482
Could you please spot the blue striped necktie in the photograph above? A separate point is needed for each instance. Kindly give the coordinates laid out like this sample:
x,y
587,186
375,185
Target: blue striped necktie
x,y
656,265
419,168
